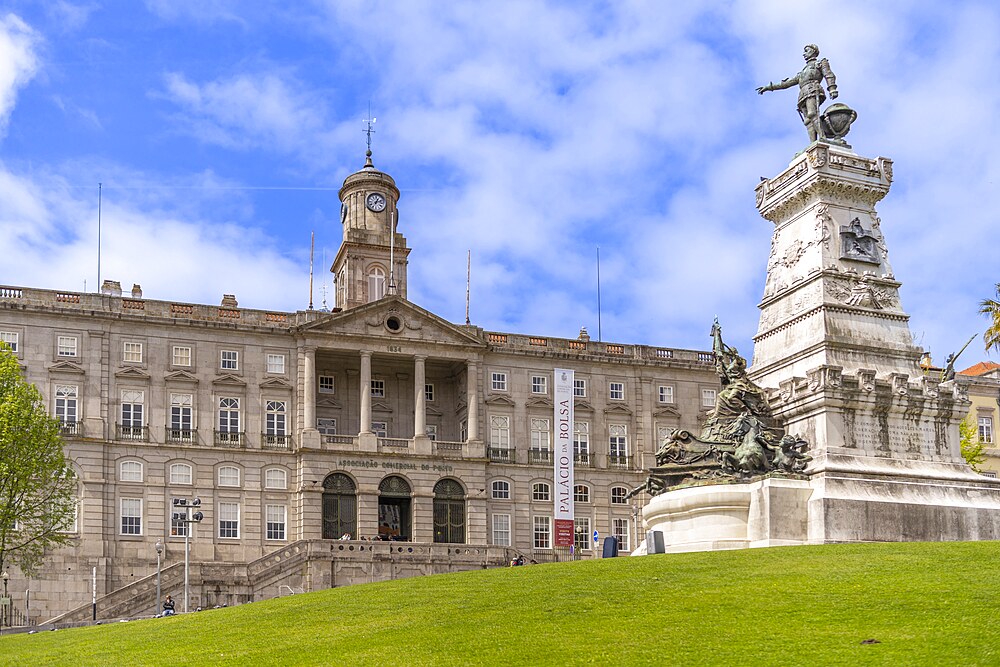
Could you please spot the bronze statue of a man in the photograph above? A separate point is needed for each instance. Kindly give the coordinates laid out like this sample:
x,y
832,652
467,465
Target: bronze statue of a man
x,y
811,95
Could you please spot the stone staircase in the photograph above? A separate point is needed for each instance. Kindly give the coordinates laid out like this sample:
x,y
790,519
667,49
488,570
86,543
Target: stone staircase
x,y
136,599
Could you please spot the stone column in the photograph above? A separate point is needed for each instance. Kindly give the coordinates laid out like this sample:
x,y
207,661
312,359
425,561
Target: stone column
x,y
309,393
366,391
472,397
419,397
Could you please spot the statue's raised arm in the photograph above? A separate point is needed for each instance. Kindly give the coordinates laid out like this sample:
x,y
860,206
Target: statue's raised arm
x,y
812,95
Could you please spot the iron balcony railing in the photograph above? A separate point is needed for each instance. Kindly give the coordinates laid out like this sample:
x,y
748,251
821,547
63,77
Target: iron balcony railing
x,y
181,435
539,456
617,461
583,459
70,428
501,454
230,439
131,433
274,441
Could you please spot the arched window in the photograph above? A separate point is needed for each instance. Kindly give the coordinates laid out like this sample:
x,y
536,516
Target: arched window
x,y
540,491
394,509
130,471
181,473
501,490
229,476
581,493
340,506
376,283
618,495
276,478
449,512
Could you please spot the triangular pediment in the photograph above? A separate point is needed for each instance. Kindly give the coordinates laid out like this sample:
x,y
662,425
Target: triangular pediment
x,y
276,383
64,366
379,406
229,380
181,376
431,411
393,318
538,403
583,405
497,399
329,403
132,373
666,411
617,410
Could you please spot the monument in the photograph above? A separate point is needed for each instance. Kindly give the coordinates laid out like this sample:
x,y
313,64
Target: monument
x,y
872,448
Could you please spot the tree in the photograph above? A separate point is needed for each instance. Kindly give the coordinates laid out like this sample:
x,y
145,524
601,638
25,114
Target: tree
x,y
973,449
37,486
991,308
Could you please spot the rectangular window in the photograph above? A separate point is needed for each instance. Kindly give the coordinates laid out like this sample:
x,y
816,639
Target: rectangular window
x,y
428,392
498,381
326,426
666,394
499,432
131,516
10,338
616,391
181,356
501,530
432,432
581,534
378,388
66,346
618,445
132,352
276,515
541,441
381,429
230,360
66,404
326,384
581,442
275,418
463,431
132,408
619,528
276,363
229,520
986,429
542,532
539,384
229,415
708,398
580,388
180,418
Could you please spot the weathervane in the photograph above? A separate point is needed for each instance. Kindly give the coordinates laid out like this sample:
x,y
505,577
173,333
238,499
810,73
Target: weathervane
x,y
369,130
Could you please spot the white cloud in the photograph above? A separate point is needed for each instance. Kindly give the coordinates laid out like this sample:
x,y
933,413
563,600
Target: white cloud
x,y
18,62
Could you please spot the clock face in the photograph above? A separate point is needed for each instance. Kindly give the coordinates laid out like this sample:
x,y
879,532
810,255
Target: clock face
x,y
375,202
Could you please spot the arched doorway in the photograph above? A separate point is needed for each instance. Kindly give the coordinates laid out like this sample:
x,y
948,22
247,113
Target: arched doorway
x,y
340,506
394,509
449,512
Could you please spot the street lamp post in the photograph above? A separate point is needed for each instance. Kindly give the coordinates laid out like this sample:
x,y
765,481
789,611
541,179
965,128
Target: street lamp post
x,y
4,613
187,518
159,552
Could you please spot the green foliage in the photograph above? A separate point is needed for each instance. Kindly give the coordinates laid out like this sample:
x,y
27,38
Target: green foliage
x,y
37,489
810,605
973,450
991,308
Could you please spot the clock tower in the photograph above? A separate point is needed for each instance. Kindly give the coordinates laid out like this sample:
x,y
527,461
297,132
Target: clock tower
x,y
372,259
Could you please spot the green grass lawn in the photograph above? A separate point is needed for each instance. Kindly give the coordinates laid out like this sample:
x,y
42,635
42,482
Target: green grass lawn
x,y
936,603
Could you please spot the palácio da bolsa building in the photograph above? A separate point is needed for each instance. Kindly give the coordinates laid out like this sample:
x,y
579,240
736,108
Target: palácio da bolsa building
x,y
327,448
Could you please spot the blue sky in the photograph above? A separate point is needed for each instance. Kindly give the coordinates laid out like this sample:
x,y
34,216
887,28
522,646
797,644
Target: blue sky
x,y
530,133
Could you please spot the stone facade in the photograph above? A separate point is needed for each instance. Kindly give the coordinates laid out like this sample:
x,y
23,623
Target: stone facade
x,y
379,419
982,382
